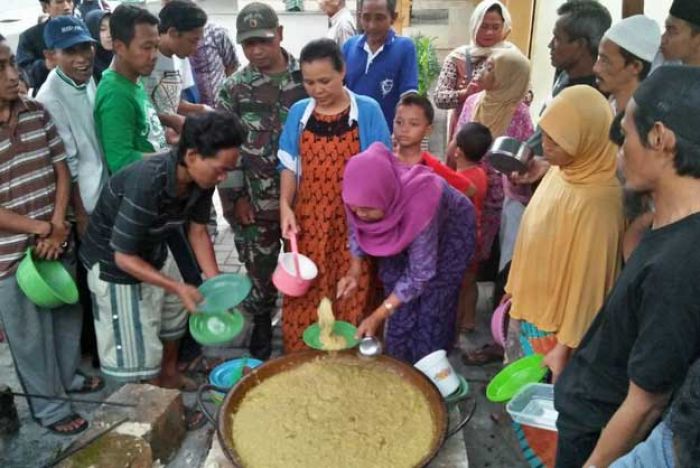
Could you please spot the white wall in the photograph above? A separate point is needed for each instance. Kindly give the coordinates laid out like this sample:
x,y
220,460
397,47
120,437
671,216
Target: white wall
x,y
545,17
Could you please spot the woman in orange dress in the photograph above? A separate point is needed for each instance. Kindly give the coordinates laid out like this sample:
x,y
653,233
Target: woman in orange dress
x,y
320,135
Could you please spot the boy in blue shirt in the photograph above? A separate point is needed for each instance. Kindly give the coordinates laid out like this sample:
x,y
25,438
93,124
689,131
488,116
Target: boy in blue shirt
x,y
379,63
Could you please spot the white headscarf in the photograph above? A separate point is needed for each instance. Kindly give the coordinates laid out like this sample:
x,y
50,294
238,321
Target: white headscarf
x,y
475,50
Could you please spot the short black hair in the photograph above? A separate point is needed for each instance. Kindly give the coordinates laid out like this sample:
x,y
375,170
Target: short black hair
x,y
390,5
320,49
122,24
684,417
686,161
415,99
587,20
630,57
182,15
210,132
474,139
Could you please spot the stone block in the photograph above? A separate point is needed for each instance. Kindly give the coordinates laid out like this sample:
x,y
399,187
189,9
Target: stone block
x,y
158,418
112,450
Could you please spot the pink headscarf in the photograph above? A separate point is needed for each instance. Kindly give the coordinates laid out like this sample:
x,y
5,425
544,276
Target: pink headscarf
x,y
409,199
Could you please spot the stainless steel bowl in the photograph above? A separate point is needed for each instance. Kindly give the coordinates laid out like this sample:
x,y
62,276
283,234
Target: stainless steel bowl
x,y
508,155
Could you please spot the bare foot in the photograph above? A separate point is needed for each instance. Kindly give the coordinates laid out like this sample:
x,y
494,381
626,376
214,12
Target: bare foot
x,y
177,381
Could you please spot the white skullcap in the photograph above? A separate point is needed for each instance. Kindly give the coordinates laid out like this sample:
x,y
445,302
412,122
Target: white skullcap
x,y
638,35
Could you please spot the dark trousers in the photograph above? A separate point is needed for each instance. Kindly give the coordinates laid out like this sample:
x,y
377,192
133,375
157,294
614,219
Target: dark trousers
x,y
574,447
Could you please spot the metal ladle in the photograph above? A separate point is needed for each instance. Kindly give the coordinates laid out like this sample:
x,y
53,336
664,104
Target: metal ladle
x,y
370,346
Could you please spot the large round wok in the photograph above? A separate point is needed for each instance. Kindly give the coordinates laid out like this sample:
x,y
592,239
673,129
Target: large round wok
x,y
235,396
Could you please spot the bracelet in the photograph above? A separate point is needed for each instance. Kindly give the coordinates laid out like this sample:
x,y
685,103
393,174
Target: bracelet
x,y
389,307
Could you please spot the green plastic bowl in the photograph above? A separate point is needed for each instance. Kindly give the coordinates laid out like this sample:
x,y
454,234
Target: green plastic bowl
x,y
223,292
344,329
216,328
515,376
46,283
460,393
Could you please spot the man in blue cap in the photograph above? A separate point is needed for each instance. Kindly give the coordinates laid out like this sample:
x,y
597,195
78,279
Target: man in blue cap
x,y
69,95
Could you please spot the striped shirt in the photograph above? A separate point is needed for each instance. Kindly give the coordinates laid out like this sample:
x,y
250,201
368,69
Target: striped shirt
x,y
137,211
29,147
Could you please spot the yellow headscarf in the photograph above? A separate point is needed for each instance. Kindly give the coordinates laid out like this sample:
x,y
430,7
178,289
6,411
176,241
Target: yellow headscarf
x,y
496,107
567,254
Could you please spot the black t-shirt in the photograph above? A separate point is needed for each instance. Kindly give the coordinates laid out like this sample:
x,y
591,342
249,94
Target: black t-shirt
x,y
137,211
647,332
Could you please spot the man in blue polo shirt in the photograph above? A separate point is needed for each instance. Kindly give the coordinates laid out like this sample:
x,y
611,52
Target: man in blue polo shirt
x,y
379,63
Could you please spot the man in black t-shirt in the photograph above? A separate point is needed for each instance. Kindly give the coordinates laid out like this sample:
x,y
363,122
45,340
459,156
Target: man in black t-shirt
x,y
138,295
640,346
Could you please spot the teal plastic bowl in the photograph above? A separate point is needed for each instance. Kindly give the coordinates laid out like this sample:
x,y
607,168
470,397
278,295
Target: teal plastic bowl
x,y
223,292
46,283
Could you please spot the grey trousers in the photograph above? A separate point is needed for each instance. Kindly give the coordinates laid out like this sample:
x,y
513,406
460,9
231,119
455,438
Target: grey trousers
x,y
45,347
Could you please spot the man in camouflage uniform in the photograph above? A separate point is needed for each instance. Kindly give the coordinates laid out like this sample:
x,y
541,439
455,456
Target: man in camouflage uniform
x,y
261,94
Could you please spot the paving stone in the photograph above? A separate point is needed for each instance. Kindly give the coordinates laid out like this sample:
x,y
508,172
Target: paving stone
x,y
113,450
158,419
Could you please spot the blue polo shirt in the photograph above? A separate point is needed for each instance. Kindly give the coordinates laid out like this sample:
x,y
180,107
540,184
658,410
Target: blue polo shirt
x,y
391,72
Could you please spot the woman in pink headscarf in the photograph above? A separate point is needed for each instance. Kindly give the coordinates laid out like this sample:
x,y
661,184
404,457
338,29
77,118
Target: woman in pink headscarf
x,y
424,233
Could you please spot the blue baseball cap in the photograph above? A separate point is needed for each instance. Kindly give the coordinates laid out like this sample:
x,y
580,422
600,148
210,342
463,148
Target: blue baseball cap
x,y
63,32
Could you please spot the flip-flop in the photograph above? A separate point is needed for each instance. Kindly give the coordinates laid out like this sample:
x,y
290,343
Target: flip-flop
x,y
91,384
194,419
67,420
486,354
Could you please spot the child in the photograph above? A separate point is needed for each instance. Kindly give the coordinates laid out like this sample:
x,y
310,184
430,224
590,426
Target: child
x,y
412,123
472,141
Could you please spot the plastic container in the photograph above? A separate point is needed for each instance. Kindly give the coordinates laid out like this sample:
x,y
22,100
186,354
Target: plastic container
x,y
227,374
499,323
533,406
347,330
439,370
223,292
295,272
215,328
516,375
46,283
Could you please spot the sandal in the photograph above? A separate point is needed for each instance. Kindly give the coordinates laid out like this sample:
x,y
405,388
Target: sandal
x,y
486,354
91,384
194,419
56,427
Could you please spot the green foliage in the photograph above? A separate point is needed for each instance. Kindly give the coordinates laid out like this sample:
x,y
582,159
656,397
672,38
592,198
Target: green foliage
x,y
428,65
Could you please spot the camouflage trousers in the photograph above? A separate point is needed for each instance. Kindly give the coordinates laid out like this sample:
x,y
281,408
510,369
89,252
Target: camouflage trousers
x,y
258,247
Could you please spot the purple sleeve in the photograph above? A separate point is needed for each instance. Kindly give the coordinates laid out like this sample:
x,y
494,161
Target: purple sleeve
x,y
422,264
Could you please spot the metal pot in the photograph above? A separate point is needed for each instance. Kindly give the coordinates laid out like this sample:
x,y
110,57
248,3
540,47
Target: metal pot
x,y
223,422
508,155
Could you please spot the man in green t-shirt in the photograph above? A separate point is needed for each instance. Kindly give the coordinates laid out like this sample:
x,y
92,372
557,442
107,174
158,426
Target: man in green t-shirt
x,y
126,122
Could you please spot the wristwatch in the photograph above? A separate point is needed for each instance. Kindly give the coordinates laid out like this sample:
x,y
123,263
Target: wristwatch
x,y
388,306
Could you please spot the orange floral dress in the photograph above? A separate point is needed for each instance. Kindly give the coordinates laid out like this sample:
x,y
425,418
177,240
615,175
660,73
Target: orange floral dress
x,y
327,142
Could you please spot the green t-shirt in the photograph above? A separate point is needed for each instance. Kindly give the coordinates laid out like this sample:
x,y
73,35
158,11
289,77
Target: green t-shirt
x,y
126,122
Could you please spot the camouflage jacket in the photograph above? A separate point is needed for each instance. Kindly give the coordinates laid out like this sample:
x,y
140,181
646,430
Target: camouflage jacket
x,y
262,104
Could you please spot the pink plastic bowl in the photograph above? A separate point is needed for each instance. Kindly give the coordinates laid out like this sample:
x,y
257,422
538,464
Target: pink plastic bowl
x,y
499,323
285,276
